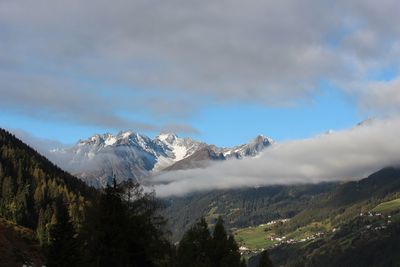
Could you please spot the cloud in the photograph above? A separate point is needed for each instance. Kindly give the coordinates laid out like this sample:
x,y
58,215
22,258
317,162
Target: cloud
x,y
54,98
91,60
42,145
337,156
382,96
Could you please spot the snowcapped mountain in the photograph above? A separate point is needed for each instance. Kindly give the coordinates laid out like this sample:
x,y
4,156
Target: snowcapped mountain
x,y
176,149
129,155
251,149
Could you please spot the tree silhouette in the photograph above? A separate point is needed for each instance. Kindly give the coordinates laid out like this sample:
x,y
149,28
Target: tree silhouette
x,y
264,260
63,248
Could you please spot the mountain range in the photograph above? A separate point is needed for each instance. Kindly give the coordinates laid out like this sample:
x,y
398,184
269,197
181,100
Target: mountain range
x,y
130,155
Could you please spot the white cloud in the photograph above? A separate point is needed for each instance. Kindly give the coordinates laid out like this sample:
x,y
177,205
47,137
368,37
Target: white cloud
x,y
337,156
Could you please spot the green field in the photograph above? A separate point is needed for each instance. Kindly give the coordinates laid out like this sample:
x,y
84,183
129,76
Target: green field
x,y
254,237
257,237
388,206
310,229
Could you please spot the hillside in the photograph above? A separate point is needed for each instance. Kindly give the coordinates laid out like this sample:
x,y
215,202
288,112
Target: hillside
x,y
18,246
30,186
350,199
241,207
320,217
356,224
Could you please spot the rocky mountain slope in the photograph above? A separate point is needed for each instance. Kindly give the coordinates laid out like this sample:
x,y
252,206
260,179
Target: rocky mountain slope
x,y
130,155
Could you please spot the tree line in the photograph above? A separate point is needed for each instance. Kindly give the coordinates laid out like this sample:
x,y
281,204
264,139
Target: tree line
x,y
123,228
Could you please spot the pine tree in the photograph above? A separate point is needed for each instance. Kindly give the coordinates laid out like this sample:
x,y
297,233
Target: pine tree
x,y
232,257
219,243
194,248
119,232
225,249
198,248
264,260
104,231
63,248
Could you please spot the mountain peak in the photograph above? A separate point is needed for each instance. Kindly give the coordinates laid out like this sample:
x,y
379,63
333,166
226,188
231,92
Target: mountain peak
x,y
125,134
167,137
262,139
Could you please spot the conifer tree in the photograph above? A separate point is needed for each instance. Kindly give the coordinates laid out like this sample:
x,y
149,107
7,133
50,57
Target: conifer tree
x,y
264,260
199,248
194,248
104,230
225,249
219,243
63,247
120,232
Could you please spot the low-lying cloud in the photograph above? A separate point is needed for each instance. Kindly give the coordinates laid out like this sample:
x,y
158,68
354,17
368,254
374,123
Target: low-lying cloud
x,y
335,156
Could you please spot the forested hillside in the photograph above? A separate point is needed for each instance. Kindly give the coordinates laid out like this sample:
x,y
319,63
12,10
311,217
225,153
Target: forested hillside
x,y
30,186
242,207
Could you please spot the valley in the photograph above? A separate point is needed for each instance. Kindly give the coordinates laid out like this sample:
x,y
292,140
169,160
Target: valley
x,y
330,215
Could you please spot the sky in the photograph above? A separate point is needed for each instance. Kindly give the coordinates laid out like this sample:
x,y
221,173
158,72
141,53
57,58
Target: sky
x,y
218,71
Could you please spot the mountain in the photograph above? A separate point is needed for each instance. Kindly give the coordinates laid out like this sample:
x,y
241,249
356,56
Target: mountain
x,y
127,155
200,159
130,155
251,149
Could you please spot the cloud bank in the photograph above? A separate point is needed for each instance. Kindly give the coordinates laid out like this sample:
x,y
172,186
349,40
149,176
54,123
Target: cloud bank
x,y
336,156
90,61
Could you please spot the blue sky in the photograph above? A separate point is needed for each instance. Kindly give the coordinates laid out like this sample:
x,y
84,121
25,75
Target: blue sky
x,y
220,72
225,125
238,123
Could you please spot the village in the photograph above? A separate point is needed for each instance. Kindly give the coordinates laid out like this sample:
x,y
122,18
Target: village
x,y
380,222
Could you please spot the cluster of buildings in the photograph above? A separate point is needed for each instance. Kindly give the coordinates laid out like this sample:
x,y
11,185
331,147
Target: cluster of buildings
x,y
284,240
275,222
370,214
247,251
382,226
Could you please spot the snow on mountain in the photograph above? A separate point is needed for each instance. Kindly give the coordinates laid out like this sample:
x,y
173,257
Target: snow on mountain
x,y
248,150
176,149
129,155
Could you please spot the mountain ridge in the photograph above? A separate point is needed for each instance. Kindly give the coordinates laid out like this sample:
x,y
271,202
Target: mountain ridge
x,y
130,155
